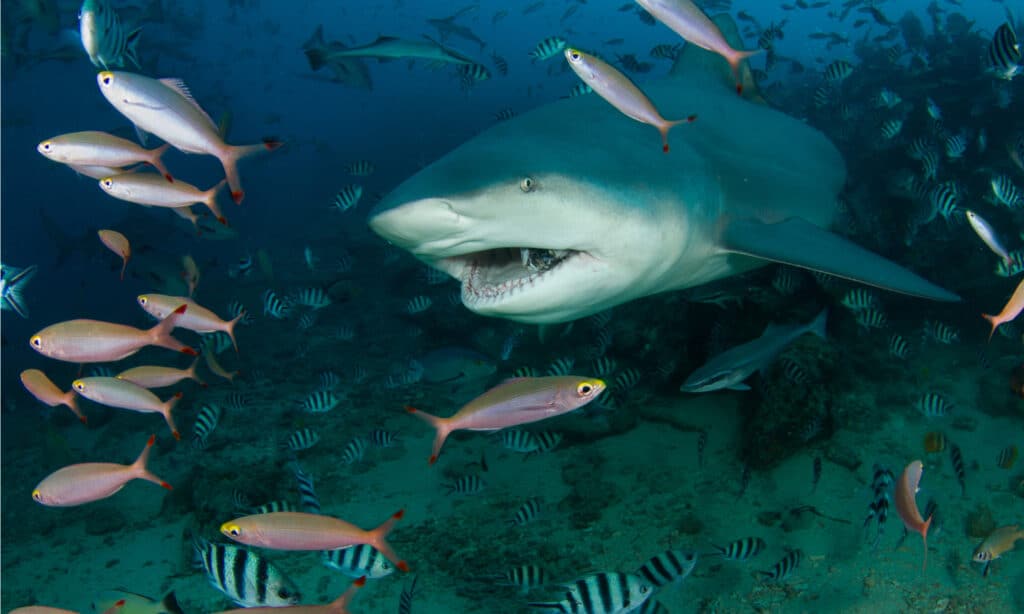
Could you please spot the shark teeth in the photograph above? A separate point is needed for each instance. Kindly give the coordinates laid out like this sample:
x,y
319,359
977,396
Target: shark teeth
x,y
495,274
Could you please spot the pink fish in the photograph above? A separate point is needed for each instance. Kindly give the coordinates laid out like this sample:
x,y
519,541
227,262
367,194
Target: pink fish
x,y
302,531
123,394
95,341
687,20
338,606
198,318
160,377
117,243
88,482
42,609
40,386
1010,312
514,402
906,504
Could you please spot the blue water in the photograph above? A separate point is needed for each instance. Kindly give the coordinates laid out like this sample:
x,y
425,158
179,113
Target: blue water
x,y
624,486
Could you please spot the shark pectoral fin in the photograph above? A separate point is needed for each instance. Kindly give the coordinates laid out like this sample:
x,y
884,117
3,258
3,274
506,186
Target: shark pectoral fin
x,y
797,242
740,386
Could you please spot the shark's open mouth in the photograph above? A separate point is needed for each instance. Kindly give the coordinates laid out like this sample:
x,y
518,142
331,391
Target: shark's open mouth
x,y
495,274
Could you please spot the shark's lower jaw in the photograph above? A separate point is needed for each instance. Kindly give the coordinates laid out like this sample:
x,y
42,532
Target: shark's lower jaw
x,y
514,282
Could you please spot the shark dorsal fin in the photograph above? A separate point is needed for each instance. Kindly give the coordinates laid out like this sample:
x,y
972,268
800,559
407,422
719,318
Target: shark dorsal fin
x,y
696,63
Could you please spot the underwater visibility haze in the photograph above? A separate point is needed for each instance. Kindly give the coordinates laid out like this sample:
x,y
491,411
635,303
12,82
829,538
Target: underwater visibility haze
x,y
552,306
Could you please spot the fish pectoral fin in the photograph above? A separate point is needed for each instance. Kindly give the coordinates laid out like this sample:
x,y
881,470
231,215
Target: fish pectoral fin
x,y
797,242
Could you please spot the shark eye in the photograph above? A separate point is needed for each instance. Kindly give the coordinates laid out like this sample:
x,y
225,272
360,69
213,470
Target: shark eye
x,y
527,184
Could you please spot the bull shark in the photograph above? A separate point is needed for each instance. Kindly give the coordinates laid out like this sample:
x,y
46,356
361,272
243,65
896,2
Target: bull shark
x,y
384,48
572,208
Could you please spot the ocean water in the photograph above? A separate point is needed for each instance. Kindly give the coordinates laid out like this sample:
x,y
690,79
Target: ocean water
x,y
359,330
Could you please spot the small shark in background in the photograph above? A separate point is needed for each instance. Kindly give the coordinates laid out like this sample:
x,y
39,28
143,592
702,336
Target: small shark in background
x,y
349,71
384,48
572,209
729,369
12,284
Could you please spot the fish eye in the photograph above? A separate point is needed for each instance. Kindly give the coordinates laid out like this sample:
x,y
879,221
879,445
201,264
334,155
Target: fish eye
x,y
38,496
526,184
108,183
584,389
46,146
574,56
143,300
37,341
107,79
78,385
234,531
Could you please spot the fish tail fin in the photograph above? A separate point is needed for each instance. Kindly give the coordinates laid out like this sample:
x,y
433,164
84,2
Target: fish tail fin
x,y
166,411
230,157
819,324
378,539
161,333
440,424
737,58
663,129
994,322
15,285
231,329
317,57
341,603
210,200
156,161
191,372
140,465
71,400
924,541
131,46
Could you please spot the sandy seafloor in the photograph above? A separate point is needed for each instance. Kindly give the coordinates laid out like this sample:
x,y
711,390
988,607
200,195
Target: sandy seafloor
x,y
641,492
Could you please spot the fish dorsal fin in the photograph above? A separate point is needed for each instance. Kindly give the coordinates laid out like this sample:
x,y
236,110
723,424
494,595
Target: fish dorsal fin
x,y
182,90
695,63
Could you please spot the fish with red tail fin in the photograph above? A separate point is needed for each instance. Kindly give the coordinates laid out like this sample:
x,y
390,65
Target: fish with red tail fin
x,y
906,504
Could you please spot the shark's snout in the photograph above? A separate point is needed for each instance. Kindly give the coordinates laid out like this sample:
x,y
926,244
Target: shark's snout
x,y
416,224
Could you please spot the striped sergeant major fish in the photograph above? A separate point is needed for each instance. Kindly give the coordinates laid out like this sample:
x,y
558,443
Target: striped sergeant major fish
x,y
601,593
741,549
206,422
1004,53
668,567
308,500
245,577
106,41
784,567
878,509
12,282
358,561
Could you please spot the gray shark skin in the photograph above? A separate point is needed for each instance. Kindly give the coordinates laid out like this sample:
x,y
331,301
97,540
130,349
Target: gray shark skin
x,y
573,208
385,48
728,369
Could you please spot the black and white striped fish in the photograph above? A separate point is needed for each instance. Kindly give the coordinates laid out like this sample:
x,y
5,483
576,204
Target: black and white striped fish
x,y
878,509
601,593
383,439
548,48
237,400
235,309
899,347
871,318
473,73
958,467
561,366
359,560
933,405
546,441
580,89
353,451
838,71
784,567
941,332
668,567
307,320
860,299
504,114
418,304
405,598
313,297
275,506
525,372
105,40
524,577
309,502
517,440
303,439
1004,53
360,168
275,306
347,197
206,422
245,576
627,379
466,485
604,366
329,380
319,402
741,549
500,63
527,512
